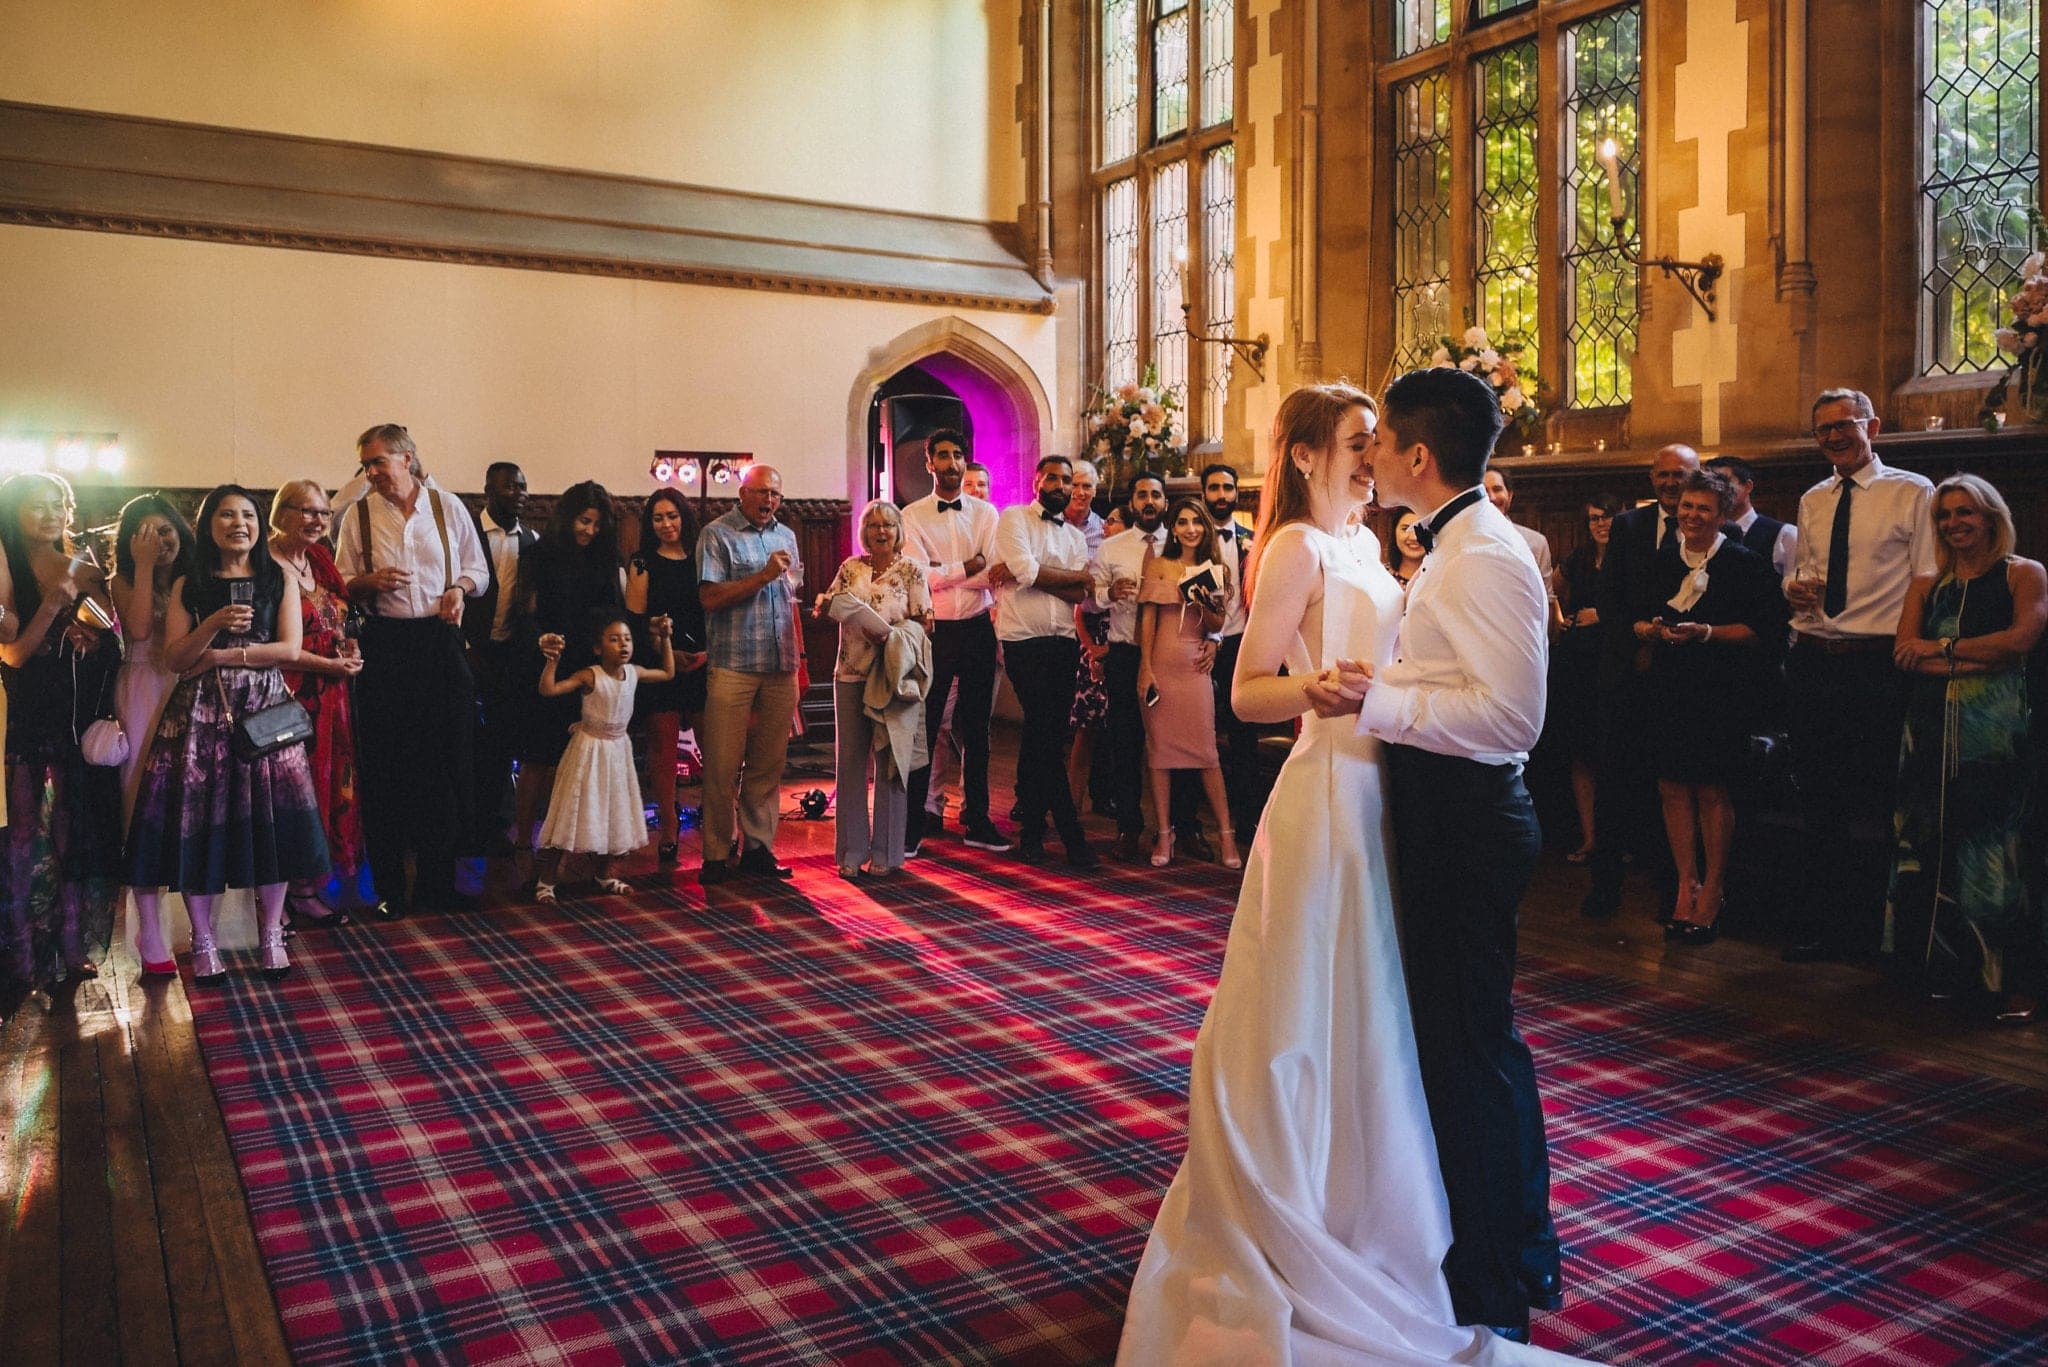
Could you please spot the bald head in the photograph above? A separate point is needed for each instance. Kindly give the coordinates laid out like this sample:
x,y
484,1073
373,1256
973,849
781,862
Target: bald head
x,y
760,494
1669,469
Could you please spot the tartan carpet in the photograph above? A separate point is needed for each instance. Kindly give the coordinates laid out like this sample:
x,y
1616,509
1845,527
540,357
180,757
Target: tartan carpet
x,y
929,1120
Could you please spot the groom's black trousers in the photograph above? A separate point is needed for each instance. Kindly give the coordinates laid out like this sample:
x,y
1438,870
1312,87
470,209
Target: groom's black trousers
x,y
1465,845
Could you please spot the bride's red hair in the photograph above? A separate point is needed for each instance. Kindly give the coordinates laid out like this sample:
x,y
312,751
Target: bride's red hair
x,y
1307,418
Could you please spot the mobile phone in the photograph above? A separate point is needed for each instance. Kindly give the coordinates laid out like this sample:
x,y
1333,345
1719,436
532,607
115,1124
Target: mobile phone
x,y
1151,694
687,644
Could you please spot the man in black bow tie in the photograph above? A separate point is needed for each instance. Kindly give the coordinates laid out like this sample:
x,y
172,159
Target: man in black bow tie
x,y
952,534
1042,571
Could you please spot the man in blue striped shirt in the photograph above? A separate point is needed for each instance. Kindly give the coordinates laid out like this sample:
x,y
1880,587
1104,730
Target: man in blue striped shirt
x,y
747,573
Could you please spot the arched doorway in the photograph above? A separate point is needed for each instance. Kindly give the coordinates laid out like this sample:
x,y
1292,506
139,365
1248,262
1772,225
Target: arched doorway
x,y
1001,401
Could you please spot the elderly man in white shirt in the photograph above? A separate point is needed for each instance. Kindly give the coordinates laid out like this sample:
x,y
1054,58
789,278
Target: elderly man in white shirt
x,y
1118,569
1458,710
411,554
952,534
1041,572
1864,532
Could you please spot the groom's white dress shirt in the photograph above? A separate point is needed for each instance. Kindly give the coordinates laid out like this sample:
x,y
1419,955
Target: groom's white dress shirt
x,y
1467,677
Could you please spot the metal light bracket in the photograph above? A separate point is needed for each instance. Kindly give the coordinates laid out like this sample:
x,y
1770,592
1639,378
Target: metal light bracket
x,y
1698,277
1251,349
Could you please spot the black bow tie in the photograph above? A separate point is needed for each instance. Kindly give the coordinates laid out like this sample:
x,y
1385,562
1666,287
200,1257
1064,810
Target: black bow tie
x,y
952,507
1052,514
1427,532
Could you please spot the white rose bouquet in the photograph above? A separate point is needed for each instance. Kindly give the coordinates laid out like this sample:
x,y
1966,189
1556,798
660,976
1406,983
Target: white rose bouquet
x,y
1514,387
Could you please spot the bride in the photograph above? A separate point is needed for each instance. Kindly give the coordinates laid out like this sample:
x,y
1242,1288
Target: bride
x,y
1308,1222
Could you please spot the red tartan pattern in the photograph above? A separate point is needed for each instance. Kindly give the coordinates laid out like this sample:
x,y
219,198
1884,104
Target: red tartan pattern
x,y
930,1120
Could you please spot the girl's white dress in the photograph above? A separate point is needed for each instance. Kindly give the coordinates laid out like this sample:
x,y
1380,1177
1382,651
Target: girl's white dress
x,y
1308,1225
596,806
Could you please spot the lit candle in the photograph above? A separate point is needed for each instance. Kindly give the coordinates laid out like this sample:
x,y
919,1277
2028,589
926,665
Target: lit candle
x,y
1610,159
1180,258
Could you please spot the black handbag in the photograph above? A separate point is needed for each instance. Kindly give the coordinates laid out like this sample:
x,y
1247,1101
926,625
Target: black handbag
x,y
267,731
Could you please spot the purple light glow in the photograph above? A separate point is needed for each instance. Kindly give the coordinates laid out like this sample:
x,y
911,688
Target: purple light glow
x,y
997,442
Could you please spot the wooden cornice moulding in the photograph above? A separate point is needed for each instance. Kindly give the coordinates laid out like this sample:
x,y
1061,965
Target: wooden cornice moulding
x,y
71,168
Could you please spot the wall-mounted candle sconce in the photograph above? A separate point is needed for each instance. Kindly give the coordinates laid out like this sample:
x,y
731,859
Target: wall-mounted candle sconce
x,y
1698,277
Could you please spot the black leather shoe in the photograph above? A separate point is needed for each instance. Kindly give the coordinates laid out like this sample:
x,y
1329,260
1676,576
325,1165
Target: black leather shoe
x,y
1545,1292
714,871
1079,856
1513,1333
984,836
759,862
1130,847
1690,933
665,855
1029,852
386,911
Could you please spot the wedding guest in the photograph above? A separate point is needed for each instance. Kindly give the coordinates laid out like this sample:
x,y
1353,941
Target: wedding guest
x,y
1642,546
60,851
975,481
661,581
1403,553
1865,532
328,659
1575,667
748,570
1040,572
1081,505
595,808
1711,644
1775,541
951,534
1239,741
1500,492
1118,571
206,818
412,559
1173,684
1090,714
152,545
1964,907
574,575
869,836
500,631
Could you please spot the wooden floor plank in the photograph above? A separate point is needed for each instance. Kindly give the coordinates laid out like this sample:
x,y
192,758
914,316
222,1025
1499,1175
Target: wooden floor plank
x,y
31,1296
141,1289
88,1312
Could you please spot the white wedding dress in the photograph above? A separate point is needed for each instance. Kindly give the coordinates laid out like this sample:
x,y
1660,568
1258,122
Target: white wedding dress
x,y
1308,1224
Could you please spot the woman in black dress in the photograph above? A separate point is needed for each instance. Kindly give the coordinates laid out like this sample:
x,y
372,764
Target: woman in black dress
x,y
576,575
1575,664
661,581
1709,648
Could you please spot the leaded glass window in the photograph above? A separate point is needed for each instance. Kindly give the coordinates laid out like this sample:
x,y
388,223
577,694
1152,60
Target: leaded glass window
x,y
1504,145
1419,24
1489,9
1219,272
1166,198
1422,217
1980,173
1602,69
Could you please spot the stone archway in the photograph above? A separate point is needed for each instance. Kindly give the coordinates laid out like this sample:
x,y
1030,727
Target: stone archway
x,y
1012,418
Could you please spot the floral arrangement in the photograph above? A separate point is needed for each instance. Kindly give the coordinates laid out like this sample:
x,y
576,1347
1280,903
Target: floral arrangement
x,y
1136,429
2023,340
1515,389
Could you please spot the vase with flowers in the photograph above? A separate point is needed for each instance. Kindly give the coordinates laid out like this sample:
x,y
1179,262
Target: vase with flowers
x,y
2023,340
1136,428
1499,366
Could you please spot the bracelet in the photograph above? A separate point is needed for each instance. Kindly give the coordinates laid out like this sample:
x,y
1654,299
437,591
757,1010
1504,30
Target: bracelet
x,y
1710,633
245,657
1948,649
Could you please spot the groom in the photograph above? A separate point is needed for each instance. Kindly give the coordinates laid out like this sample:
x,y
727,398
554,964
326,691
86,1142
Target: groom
x,y
1459,708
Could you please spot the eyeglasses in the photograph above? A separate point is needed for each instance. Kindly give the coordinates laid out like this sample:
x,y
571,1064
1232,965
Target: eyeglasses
x,y
1841,426
304,511
1599,517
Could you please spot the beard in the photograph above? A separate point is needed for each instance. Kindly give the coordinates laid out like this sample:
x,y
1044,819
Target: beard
x,y
1219,512
1053,501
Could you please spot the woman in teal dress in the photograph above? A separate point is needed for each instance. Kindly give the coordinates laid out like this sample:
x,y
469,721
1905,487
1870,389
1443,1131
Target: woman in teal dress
x,y
1963,909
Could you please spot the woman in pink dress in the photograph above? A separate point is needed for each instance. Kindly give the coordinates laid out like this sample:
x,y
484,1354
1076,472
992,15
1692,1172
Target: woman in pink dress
x,y
1175,630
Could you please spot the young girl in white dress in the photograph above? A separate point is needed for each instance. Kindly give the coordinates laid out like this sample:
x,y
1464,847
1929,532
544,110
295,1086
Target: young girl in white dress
x,y
596,805
1308,1222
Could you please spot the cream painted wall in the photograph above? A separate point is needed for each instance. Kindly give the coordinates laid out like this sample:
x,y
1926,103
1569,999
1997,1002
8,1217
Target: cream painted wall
x,y
218,362
900,104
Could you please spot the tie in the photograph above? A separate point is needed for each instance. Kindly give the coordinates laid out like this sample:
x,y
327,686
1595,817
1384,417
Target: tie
x,y
1057,515
1426,535
1663,528
1836,597
1428,532
952,507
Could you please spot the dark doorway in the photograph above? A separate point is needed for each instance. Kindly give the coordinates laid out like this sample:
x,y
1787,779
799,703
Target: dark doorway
x,y
908,407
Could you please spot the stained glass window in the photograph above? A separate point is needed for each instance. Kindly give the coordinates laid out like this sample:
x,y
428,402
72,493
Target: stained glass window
x,y
1422,217
1119,79
1419,24
1169,253
1170,70
1488,9
1981,172
1602,65
1120,282
1219,60
1504,148
1219,272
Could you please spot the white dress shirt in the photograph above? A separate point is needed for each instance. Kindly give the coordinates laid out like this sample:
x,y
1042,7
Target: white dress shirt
x,y
1891,539
1785,550
1123,556
1026,541
943,543
1469,663
1234,608
1539,547
412,543
503,545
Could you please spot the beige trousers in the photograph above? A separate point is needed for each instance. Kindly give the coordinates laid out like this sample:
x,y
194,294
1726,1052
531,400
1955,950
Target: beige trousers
x,y
745,739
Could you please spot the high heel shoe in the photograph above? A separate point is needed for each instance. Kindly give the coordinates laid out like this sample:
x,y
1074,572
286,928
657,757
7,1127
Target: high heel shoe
x,y
1696,932
207,968
276,962
1228,839
310,910
1162,852
617,887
